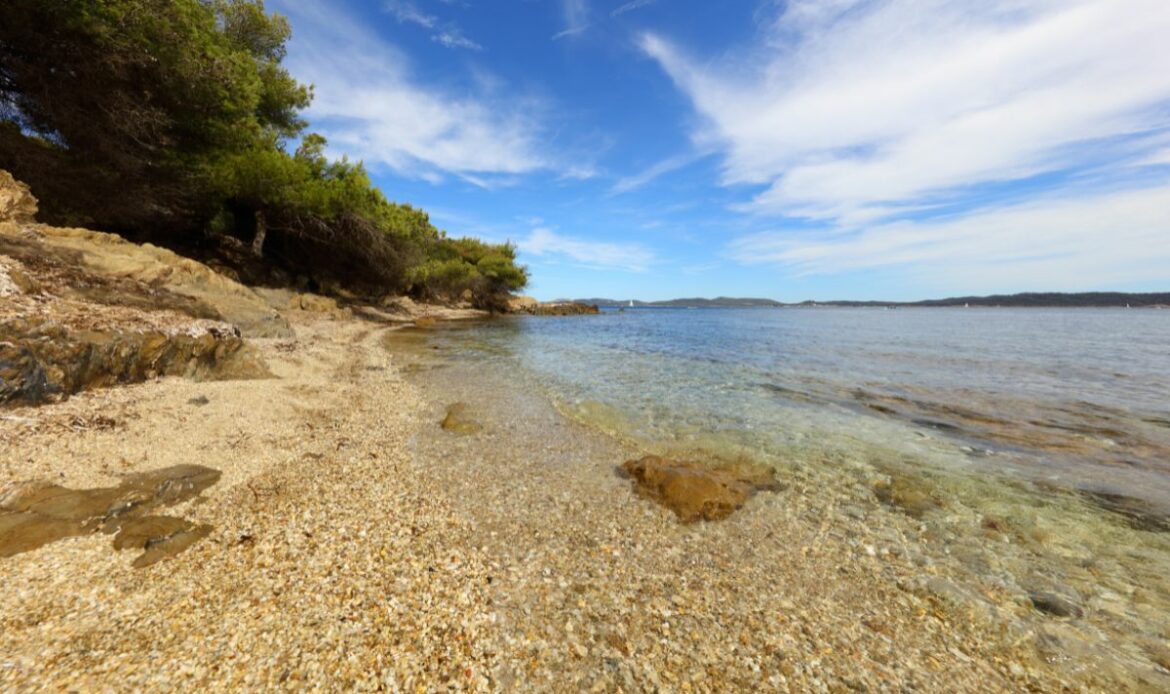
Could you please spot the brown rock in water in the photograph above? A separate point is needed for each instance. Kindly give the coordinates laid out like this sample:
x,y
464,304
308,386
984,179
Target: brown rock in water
x,y
913,499
459,421
698,492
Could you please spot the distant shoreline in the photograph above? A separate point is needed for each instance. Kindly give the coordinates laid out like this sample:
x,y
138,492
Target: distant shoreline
x,y
1025,300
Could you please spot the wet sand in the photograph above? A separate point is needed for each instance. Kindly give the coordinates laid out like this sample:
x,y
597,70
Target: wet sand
x,y
356,544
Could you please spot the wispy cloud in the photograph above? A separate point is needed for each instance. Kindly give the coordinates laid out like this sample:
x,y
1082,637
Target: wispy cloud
x,y
407,12
630,183
576,18
370,107
631,6
852,111
631,257
445,33
451,38
1110,238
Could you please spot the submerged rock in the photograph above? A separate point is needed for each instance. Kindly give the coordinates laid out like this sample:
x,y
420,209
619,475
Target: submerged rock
x,y
698,492
903,493
459,420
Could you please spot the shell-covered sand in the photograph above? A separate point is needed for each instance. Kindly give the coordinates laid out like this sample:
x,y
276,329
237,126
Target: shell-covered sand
x,y
357,545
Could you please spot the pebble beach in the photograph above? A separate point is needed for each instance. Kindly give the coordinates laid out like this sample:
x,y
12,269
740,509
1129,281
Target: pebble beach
x,y
357,545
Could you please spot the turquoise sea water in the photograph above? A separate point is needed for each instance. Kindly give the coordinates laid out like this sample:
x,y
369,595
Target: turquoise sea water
x,y
1018,451
1074,398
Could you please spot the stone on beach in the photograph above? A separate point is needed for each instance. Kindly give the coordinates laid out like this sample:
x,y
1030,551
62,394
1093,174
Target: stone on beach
x,y
698,492
459,420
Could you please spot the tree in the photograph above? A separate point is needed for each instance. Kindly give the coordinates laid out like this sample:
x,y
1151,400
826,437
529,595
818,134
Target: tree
x,y
170,119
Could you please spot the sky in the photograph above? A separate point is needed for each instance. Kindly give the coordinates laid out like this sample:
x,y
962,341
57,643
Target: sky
x,y
800,149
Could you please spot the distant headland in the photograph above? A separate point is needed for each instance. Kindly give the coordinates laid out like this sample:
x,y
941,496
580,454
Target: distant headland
x,y
1024,300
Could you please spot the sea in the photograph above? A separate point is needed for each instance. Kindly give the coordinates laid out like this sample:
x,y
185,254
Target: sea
x,y
1030,447
1076,399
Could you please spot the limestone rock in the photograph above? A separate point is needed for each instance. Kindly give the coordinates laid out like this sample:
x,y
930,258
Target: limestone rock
x,y
17,204
528,305
522,304
697,492
42,360
566,309
316,303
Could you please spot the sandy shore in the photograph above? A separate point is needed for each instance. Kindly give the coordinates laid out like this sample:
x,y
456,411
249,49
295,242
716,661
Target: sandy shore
x,y
356,545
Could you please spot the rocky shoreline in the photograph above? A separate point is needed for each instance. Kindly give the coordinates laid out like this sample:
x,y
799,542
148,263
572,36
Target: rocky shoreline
x,y
367,513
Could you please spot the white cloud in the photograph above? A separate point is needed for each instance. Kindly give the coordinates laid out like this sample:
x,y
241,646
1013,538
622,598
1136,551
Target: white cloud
x,y
851,110
576,18
446,34
653,172
407,12
1063,243
370,107
631,6
599,254
452,38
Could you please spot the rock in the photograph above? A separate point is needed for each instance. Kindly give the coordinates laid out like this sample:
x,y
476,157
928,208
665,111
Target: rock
x,y
315,303
33,514
459,420
42,359
17,204
565,309
698,492
1055,605
522,304
144,276
532,307
903,493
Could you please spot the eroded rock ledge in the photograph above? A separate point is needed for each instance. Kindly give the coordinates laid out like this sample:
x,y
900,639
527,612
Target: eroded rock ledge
x,y
81,310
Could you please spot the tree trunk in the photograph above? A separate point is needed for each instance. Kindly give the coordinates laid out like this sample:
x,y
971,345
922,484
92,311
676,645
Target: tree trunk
x,y
261,232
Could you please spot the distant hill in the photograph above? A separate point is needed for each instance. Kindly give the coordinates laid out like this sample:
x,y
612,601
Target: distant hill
x,y
1029,300
1025,300
719,302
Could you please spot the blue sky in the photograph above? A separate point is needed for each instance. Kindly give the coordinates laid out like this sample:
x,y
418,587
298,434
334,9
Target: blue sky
x,y
870,149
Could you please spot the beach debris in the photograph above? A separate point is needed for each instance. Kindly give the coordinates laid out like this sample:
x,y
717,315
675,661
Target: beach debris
x,y
459,420
699,492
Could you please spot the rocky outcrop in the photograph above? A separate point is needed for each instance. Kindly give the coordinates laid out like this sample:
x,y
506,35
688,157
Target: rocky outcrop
x,y
81,310
17,204
41,361
113,258
699,492
522,304
528,305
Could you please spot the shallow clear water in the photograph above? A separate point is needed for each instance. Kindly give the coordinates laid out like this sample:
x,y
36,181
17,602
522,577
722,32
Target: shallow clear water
x,y
1021,451
1079,398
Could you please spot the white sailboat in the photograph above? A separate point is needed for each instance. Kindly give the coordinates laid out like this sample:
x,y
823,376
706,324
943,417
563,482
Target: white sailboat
x,y
631,303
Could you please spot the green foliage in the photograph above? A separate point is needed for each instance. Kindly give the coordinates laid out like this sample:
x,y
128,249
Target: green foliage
x,y
169,119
